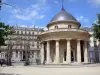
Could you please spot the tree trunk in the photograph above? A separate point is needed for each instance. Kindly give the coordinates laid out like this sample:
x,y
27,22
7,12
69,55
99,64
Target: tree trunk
x,y
9,55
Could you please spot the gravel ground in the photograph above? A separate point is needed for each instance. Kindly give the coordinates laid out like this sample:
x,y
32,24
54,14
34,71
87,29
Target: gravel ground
x,y
51,70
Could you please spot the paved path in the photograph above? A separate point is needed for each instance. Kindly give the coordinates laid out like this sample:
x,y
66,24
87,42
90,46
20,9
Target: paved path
x,y
40,70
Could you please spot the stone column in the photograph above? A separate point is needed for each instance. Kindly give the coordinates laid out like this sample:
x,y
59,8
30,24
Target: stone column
x,y
57,60
22,55
48,52
68,58
0,55
3,55
78,51
42,53
85,52
74,55
19,55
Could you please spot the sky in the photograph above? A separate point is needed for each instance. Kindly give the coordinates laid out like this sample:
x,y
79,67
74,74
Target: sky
x,y
39,12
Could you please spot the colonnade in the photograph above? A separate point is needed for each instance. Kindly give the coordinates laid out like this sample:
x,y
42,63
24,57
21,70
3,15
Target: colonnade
x,y
68,50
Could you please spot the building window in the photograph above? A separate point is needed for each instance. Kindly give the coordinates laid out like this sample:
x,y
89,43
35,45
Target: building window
x,y
29,32
17,32
25,32
35,32
37,44
32,54
69,26
32,33
21,32
56,27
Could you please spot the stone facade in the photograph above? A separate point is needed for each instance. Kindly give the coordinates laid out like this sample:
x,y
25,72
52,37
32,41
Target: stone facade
x,y
24,39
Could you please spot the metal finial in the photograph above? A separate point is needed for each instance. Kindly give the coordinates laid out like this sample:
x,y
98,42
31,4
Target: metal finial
x,y
62,6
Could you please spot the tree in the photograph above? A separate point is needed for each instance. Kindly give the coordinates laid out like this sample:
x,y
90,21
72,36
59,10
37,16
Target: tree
x,y
96,34
0,4
97,28
4,32
9,51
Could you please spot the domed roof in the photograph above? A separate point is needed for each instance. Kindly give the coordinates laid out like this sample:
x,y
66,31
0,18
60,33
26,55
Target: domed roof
x,y
63,16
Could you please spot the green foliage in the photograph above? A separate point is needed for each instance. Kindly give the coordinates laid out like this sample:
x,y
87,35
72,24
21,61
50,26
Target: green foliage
x,y
97,31
97,28
0,3
6,30
98,18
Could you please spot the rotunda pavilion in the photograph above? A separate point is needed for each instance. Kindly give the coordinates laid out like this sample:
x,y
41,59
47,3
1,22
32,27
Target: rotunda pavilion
x,y
64,42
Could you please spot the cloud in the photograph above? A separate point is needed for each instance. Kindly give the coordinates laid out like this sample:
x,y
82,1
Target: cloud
x,y
80,18
31,15
34,12
40,5
16,11
4,1
10,21
94,2
71,1
56,2
41,16
83,19
27,16
21,25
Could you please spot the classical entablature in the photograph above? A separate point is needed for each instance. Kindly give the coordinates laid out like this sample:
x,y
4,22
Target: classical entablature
x,y
63,33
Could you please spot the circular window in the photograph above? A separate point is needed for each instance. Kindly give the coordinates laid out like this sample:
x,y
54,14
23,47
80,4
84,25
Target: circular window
x,y
56,27
69,26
